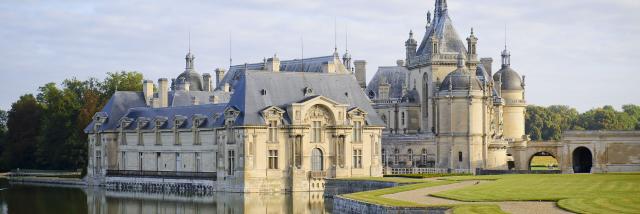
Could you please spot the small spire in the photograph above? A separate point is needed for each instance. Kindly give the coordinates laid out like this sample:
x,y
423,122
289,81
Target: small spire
x,y
410,34
472,31
428,18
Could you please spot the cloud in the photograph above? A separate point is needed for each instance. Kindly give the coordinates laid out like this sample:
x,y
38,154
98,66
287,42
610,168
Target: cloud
x,y
574,52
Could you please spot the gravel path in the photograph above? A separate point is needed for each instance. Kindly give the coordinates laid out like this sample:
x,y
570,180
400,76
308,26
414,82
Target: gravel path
x,y
423,196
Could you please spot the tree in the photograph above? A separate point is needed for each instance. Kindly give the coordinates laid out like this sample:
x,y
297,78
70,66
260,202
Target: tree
x,y
3,132
606,118
23,124
121,81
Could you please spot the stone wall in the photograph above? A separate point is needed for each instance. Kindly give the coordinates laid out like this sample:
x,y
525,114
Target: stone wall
x,y
345,205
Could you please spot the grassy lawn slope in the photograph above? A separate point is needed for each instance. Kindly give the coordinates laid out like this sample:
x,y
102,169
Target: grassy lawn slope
x,y
582,193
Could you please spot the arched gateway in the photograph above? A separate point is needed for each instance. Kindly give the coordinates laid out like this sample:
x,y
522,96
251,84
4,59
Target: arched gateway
x,y
582,160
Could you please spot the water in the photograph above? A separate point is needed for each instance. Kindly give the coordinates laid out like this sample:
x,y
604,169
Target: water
x,y
35,199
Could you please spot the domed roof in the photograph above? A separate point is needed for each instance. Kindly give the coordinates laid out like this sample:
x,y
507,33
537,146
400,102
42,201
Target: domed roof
x,y
510,79
411,97
459,80
195,80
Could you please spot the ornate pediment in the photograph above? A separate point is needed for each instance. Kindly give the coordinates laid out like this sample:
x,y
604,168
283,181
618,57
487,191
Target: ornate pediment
x,y
356,113
125,122
272,112
142,122
319,112
231,114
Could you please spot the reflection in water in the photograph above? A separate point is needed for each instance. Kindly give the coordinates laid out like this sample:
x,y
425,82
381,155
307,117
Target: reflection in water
x,y
46,199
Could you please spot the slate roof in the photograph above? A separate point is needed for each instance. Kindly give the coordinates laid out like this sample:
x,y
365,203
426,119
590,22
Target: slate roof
x,y
206,110
313,65
248,98
510,79
442,28
396,76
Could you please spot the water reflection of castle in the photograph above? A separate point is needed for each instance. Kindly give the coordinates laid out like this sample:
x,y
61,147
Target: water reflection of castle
x,y
103,201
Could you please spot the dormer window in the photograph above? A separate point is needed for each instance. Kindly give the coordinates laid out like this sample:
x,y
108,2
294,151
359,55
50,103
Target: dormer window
x,y
307,91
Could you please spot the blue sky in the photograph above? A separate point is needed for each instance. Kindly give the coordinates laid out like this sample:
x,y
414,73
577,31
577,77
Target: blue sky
x,y
581,53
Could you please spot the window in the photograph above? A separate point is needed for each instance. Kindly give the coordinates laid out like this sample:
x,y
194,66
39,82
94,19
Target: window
x,y
158,161
197,162
196,137
231,165
316,160
98,165
423,158
298,151
384,157
140,138
123,137
396,156
402,118
410,153
316,129
176,137
357,158
273,131
140,161
178,162
460,156
230,138
273,159
158,137
98,139
123,165
357,132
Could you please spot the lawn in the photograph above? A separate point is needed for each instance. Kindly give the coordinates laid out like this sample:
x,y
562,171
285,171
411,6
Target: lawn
x,y
581,193
375,196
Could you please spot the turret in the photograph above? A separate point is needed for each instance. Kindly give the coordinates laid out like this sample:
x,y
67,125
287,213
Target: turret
x,y
472,42
411,47
512,92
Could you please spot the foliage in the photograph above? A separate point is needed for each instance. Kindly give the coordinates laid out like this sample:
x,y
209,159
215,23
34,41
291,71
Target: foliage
x,y
582,193
547,123
46,131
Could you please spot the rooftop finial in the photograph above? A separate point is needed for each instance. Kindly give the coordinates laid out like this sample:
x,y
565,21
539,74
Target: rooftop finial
x,y
506,54
335,34
428,17
472,31
189,41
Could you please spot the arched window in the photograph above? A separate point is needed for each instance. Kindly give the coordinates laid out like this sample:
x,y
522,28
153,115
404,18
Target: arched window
x,y
316,160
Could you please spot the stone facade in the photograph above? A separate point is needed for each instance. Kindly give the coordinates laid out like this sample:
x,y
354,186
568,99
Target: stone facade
x,y
255,134
443,107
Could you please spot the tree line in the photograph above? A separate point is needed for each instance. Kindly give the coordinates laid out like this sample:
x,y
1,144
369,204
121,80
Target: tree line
x,y
46,131
547,123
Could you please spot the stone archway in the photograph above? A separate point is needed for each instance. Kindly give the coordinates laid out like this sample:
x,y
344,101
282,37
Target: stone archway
x,y
582,160
543,161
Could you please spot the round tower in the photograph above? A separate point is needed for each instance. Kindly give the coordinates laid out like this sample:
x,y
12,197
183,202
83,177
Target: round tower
x,y
460,118
512,92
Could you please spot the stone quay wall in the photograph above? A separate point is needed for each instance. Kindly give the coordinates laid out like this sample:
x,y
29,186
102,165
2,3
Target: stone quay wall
x,y
336,187
160,185
346,205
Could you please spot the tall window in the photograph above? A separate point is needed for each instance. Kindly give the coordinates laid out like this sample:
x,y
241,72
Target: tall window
x,y
273,159
158,137
123,137
176,137
317,130
316,160
357,132
357,158
98,139
298,151
197,162
460,156
231,158
423,158
196,137
410,153
178,162
140,138
230,138
140,161
273,131
396,156
158,161
384,157
98,164
123,165
402,118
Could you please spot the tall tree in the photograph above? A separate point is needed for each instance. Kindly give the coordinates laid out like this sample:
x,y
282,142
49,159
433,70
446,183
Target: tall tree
x,y
121,81
3,132
23,125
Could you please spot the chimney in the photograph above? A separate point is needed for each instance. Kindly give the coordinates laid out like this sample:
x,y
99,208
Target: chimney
x,y
486,63
226,88
219,75
163,92
147,90
361,72
400,63
195,101
213,99
206,80
273,64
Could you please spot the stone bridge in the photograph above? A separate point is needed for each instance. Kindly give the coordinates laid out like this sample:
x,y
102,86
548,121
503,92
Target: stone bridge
x,y
585,152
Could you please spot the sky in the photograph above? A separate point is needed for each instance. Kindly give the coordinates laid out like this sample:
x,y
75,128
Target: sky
x,y
579,53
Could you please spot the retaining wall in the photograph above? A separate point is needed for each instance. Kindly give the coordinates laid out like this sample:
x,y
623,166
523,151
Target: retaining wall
x,y
345,205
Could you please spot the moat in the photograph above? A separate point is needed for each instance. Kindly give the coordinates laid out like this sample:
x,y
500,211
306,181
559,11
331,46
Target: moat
x,y
19,198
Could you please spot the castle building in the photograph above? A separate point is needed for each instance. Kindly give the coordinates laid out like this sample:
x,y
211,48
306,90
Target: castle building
x,y
443,107
266,127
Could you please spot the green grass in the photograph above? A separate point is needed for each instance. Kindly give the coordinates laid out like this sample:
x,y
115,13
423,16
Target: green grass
x,y
375,196
582,193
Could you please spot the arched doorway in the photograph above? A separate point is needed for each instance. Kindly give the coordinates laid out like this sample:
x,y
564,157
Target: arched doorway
x,y
316,160
543,161
582,160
